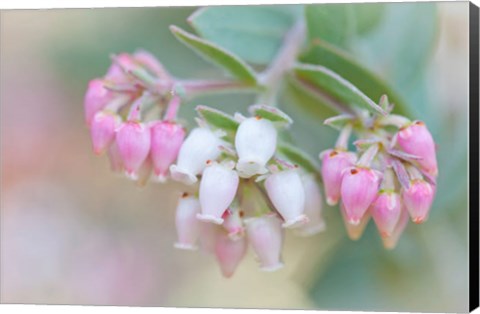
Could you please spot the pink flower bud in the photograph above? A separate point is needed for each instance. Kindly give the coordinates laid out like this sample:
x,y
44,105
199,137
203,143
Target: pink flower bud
x,y
333,164
116,73
200,146
355,231
217,190
188,226
386,210
96,98
415,139
313,207
133,140
359,189
285,190
166,140
391,241
265,234
102,130
208,236
233,224
229,253
418,199
149,61
255,142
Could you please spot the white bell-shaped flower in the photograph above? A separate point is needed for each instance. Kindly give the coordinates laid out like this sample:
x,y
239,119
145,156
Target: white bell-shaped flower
x,y
188,226
200,146
217,190
313,207
265,234
285,190
255,142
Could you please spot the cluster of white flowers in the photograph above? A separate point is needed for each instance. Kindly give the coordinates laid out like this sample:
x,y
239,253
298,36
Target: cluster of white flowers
x,y
246,192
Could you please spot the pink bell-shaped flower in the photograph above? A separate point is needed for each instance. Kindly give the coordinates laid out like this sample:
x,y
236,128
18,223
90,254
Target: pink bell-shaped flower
x,y
200,146
217,190
188,226
416,139
102,130
166,140
265,235
116,72
149,61
229,253
418,199
96,98
133,140
386,210
355,231
391,241
333,164
255,143
359,189
232,223
313,207
285,190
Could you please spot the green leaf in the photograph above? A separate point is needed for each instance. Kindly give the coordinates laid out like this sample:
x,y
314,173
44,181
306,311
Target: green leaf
x,y
330,22
333,84
270,113
322,53
338,24
298,157
219,56
217,118
255,33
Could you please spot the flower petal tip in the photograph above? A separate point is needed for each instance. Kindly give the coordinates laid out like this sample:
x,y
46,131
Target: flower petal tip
x,y
210,218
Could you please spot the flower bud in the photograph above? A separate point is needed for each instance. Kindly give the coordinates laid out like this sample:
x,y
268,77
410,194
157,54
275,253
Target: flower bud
x,y
385,211
116,73
418,199
355,231
333,164
166,140
255,142
287,194
96,98
200,146
208,236
133,140
149,61
313,207
265,234
229,253
391,241
233,224
415,139
188,226
217,190
359,189
102,130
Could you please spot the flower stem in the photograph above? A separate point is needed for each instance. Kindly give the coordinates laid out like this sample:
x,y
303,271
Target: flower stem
x,y
194,88
284,60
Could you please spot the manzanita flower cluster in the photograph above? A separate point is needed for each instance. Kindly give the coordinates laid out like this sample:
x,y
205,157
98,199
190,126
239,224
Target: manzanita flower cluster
x,y
246,192
132,119
244,186
390,177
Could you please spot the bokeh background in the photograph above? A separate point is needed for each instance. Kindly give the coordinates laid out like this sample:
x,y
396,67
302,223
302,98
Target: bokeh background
x,y
74,233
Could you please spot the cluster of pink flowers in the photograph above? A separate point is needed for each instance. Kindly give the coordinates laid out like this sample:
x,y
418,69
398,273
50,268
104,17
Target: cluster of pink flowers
x,y
392,179
244,190
246,194
117,109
